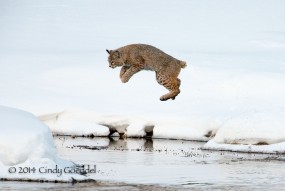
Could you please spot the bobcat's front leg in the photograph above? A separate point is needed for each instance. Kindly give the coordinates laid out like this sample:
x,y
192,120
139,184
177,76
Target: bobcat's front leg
x,y
123,70
129,73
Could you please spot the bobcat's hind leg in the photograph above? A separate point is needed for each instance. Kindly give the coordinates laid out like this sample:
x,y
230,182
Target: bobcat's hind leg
x,y
173,92
178,83
172,84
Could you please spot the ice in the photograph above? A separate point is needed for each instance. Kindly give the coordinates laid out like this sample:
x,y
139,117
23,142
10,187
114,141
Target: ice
x,y
277,148
26,143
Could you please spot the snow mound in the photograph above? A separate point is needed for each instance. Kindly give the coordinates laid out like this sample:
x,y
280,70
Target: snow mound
x,y
254,131
22,137
195,128
26,143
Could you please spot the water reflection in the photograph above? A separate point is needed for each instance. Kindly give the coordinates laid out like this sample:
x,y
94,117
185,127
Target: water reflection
x,y
175,162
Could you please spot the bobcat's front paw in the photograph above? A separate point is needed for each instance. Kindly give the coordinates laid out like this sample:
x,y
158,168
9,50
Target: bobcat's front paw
x,y
124,80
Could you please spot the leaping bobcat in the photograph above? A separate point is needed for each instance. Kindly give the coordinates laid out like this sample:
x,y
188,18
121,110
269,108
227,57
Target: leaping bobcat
x,y
136,57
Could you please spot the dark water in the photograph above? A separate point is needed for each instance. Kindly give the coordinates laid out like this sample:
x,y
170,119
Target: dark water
x,y
138,164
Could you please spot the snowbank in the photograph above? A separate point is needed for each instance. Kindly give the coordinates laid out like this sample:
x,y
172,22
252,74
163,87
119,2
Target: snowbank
x,y
27,149
88,123
75,123
252,132
255,131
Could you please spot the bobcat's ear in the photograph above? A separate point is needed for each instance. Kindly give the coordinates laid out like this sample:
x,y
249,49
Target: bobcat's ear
x,y
118,53
109,51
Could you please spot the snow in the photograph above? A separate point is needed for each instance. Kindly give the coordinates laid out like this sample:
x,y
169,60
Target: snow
x,y
53,59
73,123
26,143
89,123
252,132
18,125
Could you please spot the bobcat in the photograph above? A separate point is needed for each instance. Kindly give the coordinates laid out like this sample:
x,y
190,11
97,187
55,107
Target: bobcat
x,y
136,57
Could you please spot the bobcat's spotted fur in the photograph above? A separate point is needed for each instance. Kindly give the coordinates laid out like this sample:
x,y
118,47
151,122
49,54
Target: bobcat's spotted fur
x,y
136,57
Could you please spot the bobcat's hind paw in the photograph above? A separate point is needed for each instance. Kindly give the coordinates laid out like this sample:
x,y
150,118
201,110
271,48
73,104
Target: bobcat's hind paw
x,y
163,98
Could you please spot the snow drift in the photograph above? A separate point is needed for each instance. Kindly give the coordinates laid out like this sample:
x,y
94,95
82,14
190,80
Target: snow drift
x,y
26,143
252,132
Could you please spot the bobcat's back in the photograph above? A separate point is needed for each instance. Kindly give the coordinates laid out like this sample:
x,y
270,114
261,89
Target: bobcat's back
x,y
152,57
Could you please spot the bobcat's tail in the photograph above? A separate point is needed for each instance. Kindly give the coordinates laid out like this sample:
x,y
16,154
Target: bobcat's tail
x,y
183,64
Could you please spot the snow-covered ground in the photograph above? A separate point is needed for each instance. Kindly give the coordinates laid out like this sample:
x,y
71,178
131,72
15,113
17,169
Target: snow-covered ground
x,y
53,59
27,150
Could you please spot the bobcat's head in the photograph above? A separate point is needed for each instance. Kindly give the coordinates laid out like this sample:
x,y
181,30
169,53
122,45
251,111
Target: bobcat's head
x,y
115,58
